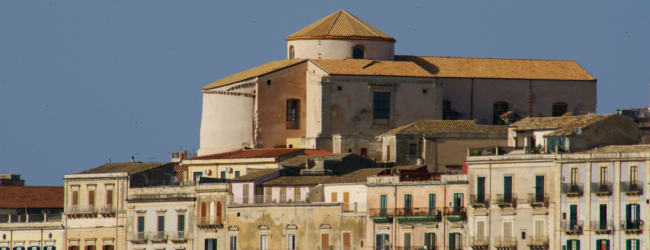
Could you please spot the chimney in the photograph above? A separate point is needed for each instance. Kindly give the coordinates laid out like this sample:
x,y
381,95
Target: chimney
x,y
132,159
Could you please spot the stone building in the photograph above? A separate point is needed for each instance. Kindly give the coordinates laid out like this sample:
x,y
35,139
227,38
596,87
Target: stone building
x,y
31,218
342,76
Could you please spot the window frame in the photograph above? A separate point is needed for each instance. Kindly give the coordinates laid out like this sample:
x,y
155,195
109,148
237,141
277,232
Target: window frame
x,y
359,47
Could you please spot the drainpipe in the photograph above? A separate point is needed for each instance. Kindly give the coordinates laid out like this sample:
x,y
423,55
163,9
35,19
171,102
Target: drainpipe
x,y
444,224
395,210
117,222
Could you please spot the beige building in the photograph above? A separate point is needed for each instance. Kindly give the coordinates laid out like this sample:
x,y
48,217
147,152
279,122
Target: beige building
x,y
95,202
441,145
342,76
31,218
210,219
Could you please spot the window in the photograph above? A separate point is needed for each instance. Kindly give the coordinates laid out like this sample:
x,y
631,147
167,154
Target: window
x,y
407,240
264,243
603,175
268,82
382,241
573,217
432,203
602,244
358,52
211,244
507,188
339,88
141,227
292,52
480,230
233,242
283,194
413,149
325,241
297,195
291,242
383,205
559,109
269,194
574,176
632,244
523,235
539,228
292,110
408,201
633,174
204,210
632,216
603,217
246,193
480,189
109,198
236,174
90,247
334,197
458,199
430,240
539,188
197,175
91,198
347,243
181,223
381,105
507,228
573,244
446,107
223,174
455,241
424,91
346,201
219,213
498,109
105,247
161,226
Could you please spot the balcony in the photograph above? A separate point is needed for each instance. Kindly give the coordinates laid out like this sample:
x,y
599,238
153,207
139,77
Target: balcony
x,y
632,226
479,242
537,242
79,210
209,222
381,215
105,210
601,189
417,214
158,236
455,213
179,236
505,242
454,247
602,227
479,200
538,199
264,199
572,227
137,237
506,200
410,247
22,218
632,187
572,189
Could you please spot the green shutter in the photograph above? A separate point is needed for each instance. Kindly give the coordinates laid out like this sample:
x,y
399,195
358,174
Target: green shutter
x,y
407,201
451,241
426,239
480,189
161,223
384,202
573,215
507,188
577,244
140,224
432,200
628,245
181,222
539,188
603,216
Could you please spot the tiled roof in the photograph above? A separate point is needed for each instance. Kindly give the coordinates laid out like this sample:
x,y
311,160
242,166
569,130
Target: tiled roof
x,y
620,149
249,153
31,197
255,72
466,67
317,152
430,127
128,167
255,173
360,175
301,160
564,125
340,25
371,68
298,180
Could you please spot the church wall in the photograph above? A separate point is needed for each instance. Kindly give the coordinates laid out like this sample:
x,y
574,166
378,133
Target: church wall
x,y
580,96
489,91
341,49
286,84
227,119
314,93
459,92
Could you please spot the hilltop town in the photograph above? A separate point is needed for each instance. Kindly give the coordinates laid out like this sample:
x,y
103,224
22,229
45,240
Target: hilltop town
x,y
346,145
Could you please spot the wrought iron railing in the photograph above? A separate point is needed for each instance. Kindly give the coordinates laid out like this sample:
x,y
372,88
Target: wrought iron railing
x,y
455,211
479,200
631,225
212,220
601,188
479,241
137,236
572,189
381,212
632,187
597,225
80,209
538,199
418,211
264,199
505,242
179,235
572,227
506,200
537,242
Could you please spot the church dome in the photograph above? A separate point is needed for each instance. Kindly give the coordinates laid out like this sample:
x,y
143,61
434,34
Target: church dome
x,y
340,25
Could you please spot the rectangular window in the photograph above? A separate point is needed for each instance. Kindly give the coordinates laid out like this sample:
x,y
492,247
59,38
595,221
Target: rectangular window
x,y
383,204
539,188
269,194
430,240
264,243
455,241
603,217
75,198
507,229
507,188
632,244
381,105
292,111
382,241
632,216
574,176
432,200
210,244
297,195
291,242
573,216
407,240
109,197
140,224
91,198
480,189
346,201
334,197
573,244
236,174
233,241
633,174
197,175
223,174
181,223
603,175
283,194
161,223
408,201
480,227
347,243
458,199
539,227
246,192
602,244
105,247
91,247
413,149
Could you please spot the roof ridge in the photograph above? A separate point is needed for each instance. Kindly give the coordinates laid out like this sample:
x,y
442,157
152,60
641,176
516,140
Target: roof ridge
x,y
334,23
495,58
361,23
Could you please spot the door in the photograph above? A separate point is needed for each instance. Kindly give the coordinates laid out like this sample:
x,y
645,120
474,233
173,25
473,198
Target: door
x,y
407,240
347,244
325,241
210,244
602,244
480,189
632,216
632,244
140,227
539,188
181,226
458,199
507,189
264,242
383,205
603,217
430,240
573,216
346,201
432,204
382,241
407,204
480,227
573,244
161,226
539,228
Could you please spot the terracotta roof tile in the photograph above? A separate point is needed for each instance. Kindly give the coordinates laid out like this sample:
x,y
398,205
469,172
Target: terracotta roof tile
x,y
620,149
297,180
249,153
31,197
340,25
128,167
430,127
563,125
301,160
256,173
466,67
255,72
371,68
317,152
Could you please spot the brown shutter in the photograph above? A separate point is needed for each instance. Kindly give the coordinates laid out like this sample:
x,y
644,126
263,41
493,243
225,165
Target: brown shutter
x,y
91,198
109,197
346,201
203,209
346,240
325,241
334,198
75,198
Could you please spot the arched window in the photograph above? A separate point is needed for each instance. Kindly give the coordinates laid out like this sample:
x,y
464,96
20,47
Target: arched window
x,y
292,52
203,209
358,52
559,109
218,211
498,109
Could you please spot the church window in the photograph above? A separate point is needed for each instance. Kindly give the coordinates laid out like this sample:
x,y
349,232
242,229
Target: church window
x,y
292,110
268,82
292,52
424,91
358,52
498,109
381,105
559,109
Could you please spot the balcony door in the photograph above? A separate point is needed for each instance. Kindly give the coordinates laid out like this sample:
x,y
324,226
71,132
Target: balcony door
x,y
507,189
632,216
458,199
383,205
573,216
408,204
603,217
382,241
430,240
602,244
539,188
480,189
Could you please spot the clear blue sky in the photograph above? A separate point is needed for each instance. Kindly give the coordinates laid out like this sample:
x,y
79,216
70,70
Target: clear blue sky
x,y
84,81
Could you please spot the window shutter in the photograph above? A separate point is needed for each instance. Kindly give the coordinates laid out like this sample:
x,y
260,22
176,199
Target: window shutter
x,y
479,229
432,200
334,198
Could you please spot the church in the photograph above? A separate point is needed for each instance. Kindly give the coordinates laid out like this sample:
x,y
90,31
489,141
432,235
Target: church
x,y
342,76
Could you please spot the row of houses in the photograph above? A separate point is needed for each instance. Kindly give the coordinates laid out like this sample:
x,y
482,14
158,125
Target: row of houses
x,y
570,182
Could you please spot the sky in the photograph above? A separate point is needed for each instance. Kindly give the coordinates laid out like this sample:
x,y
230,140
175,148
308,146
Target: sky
x,y
85,81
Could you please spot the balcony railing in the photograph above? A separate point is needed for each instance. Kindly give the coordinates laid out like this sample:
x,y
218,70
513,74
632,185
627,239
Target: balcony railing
x,y
537,242
105,209
538,199
602,226
506,200
631,226
454,247
479,200
601,188
137,236
179,235
212,221
572,227
455,214
412,247
418,211
479,241
381,212
572,189
632,187
80,209
505,242
157,236
264,199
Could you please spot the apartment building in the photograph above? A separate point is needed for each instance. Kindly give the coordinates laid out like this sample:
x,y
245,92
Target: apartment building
x,y
410,208
95,202
210,219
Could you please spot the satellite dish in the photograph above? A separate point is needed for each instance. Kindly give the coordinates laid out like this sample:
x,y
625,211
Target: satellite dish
x,y
578,131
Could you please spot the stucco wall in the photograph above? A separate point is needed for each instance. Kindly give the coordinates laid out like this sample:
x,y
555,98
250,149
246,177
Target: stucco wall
x,y
341,49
